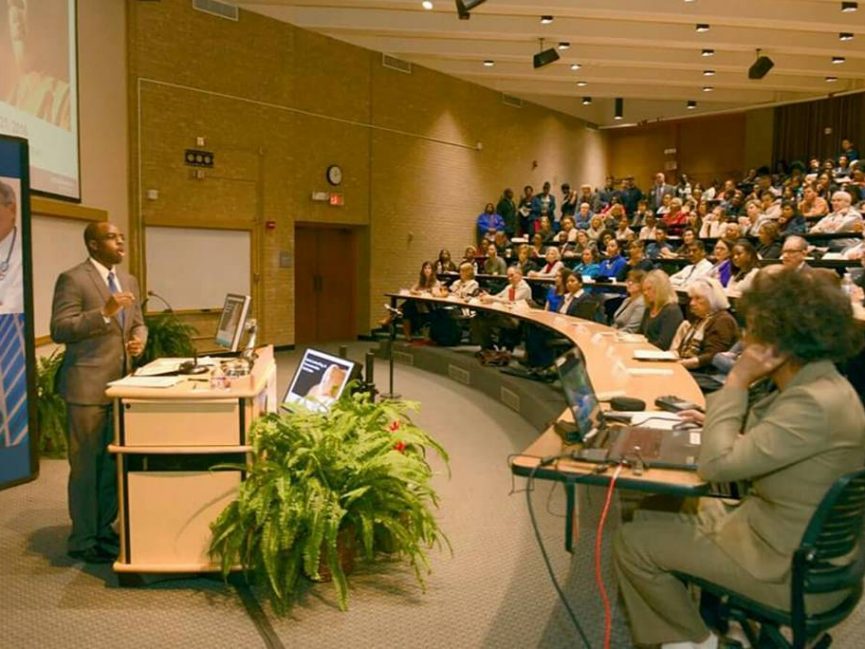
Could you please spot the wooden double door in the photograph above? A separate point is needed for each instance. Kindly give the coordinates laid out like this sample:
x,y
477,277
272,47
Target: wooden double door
x,y
325,283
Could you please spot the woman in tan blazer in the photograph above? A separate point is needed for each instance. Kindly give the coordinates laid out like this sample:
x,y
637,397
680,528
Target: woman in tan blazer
x,y
796,442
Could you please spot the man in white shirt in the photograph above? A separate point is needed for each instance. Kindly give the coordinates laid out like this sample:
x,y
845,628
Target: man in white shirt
x,y
698,267
11,271
843,217
484,324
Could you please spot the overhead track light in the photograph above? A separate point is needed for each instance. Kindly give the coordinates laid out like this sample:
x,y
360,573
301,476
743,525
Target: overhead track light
x,y
546,20
692,104
847,7
845,36
465,6
545,56
838,59
620,108
760,68
707,53
587,101
702,27
564,45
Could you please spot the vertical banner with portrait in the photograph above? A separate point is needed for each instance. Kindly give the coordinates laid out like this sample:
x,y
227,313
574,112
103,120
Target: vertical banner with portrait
x,y
18,456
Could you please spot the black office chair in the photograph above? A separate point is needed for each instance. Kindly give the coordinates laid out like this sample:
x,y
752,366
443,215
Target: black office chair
x,y
834,532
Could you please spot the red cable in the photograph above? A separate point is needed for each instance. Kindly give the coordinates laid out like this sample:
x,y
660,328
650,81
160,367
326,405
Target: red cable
x,y
599,579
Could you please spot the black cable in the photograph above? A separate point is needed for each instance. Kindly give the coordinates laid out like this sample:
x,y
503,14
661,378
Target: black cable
x,y
529,489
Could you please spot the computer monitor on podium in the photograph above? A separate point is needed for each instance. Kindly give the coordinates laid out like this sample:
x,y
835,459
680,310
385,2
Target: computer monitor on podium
x,y
231,323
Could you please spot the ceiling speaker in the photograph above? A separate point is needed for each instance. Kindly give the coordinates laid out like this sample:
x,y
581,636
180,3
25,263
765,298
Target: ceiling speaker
x,y
761,67
545,57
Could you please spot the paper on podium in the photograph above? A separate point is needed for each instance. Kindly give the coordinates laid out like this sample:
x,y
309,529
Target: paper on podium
x,y
163,366
146,382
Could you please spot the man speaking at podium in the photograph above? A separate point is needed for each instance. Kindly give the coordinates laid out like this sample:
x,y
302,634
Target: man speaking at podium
x,y
97,314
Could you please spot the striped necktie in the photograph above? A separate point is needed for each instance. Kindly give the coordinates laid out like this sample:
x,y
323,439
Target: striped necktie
x,y
114,288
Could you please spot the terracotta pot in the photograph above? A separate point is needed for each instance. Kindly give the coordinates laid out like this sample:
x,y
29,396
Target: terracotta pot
x,y
346,549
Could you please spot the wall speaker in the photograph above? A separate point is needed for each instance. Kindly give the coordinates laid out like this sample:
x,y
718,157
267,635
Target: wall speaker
x,y
545,57
761,67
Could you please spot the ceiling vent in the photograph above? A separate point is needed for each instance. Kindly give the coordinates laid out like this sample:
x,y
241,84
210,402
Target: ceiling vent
x,y
510,100
395,64
217,8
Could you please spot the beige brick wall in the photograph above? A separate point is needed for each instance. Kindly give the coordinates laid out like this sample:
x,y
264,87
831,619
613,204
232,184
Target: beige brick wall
x,y
278,104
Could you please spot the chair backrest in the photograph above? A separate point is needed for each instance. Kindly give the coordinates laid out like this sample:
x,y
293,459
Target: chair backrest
x,y
831,555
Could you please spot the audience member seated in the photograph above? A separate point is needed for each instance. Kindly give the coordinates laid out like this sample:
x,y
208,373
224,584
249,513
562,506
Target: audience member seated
x,y
660,248
524,260
545,229
596,227
677,218
689,236
568,233
793,253
538,246
843,218
589,265
638,220
557,290
444,263
754,218
613,265
629,316
583,216
647,232
623,231
723,266
484,325
732,233
663,315
664,208
849,149
768,246
502,243
494,265
790,221
487,223
470,256
714,224
590,197
552,266
447,322
808,433
712,330
770,205
698,267
465,287
745,268
415,313
636,259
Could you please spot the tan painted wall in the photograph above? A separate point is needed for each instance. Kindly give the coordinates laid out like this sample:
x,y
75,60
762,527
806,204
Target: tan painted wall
x,y
278,104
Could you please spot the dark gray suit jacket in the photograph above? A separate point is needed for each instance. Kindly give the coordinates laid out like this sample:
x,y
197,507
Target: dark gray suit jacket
x,y
95,349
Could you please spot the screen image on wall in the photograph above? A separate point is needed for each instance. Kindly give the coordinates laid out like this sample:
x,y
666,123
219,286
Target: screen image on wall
x,y
39,89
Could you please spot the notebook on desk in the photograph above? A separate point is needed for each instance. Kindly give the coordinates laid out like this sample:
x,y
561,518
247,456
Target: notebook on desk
x,y
603,442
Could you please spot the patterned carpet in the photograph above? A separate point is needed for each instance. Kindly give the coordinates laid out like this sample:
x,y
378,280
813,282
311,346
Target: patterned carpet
x,y
492,592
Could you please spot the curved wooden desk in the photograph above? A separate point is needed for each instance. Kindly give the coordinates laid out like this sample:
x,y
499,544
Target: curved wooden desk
x,y
609,359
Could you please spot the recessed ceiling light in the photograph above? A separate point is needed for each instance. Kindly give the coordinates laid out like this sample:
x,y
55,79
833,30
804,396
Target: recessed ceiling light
x,y
708,88
587,101
845,36
582,84
838,59
489,63
575,66
546,20
707,53
847,7
427,4
692,104
702,27
708,73
564,45
620,108
831,79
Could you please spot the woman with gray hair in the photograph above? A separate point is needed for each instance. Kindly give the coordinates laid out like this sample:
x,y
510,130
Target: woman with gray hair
x,y
711,331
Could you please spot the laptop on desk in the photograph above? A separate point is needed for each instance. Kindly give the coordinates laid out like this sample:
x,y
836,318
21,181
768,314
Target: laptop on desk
x,y
605,442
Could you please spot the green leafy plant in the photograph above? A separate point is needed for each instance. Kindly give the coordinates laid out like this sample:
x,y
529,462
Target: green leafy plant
x,y
50,407
358,473
167,336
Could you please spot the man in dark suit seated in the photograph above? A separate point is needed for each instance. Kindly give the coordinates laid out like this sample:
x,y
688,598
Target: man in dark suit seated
x,y
97,314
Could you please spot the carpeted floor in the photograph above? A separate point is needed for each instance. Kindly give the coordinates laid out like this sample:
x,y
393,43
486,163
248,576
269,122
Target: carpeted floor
x,y
492,592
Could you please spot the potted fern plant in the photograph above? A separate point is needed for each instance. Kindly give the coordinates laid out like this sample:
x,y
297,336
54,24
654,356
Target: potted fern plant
x,y
323,482
50,407
167,336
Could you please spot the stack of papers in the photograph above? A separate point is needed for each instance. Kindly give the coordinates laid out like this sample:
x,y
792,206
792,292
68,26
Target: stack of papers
x,y
146,382
654,355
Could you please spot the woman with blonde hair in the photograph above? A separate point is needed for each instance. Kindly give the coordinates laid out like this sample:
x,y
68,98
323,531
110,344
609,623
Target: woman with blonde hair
x,y
663,315
713,329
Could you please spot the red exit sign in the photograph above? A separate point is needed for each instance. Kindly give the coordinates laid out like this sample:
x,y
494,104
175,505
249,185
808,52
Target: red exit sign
x,y
337,199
